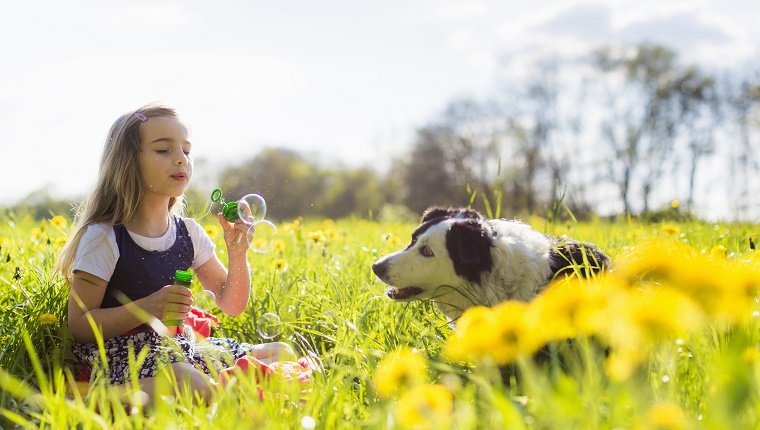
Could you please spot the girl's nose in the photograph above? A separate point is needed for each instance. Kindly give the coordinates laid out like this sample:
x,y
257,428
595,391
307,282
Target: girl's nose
x,y
183,159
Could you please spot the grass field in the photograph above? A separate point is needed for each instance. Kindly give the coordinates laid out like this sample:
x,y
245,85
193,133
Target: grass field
x,y
669,341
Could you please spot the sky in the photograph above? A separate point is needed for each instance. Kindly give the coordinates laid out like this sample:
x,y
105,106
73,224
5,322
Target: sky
x,y
341,81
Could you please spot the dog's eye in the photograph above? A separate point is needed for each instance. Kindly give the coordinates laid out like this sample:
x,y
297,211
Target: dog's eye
x,y
426,251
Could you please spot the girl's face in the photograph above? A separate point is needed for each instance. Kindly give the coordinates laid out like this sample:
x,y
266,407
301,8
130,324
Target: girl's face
x,y
164,159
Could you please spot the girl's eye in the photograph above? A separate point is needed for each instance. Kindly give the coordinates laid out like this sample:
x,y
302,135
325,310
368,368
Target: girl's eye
x,y
187,153
426,251
162,151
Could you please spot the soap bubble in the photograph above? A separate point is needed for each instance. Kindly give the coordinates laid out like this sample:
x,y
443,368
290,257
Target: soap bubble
x,y
252,208
264,235
308,423
269,325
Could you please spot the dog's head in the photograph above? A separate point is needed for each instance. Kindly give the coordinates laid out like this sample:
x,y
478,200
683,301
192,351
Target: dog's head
x,y
450,248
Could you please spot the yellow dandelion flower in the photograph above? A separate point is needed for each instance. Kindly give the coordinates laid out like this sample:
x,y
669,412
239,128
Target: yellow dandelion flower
x,y
675,204
722,288
60,241
392,239
280,264
499,334
317,236
400,369
670,229
331,233
37,233
278,245
516,332
425,407
620,365
328,223
719,251
473,335
48,319
574,306
664,416
213,231
260,244
644,317
59,222
292,226
751,354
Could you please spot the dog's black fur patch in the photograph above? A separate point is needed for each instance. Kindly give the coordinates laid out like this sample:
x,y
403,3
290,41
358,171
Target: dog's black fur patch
x,y
567,257
436,214
469,244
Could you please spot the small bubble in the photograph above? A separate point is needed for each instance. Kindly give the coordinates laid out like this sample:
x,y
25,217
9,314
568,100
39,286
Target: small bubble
x,y
308,423
665,379
252,208
269,325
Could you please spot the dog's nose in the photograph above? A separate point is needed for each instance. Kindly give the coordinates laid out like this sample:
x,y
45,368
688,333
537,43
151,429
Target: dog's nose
x,y
379,268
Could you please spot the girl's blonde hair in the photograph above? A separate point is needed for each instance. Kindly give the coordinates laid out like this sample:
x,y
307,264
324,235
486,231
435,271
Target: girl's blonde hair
x,y
119,188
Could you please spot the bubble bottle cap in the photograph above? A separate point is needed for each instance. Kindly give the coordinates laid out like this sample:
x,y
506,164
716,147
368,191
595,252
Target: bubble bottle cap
x,y
183,277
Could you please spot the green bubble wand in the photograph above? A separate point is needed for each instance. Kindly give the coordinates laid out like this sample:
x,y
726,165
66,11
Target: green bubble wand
x,y
251,209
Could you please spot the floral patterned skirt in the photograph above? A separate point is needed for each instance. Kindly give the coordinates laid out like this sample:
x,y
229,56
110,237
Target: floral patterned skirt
x,y
210,353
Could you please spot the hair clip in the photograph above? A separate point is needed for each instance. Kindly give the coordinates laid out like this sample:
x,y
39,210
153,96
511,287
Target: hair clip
x,y
141,116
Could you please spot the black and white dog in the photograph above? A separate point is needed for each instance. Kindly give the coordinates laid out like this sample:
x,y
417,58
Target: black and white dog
x,y
460,259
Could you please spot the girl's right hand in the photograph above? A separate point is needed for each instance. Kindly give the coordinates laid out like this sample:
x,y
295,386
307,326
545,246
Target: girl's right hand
x,y
172,302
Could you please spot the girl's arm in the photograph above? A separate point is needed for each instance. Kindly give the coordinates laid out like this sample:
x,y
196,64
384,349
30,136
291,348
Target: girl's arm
x,y
232,288
87,291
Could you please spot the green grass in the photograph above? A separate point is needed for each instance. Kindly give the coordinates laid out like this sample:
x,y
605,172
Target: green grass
x,y
331,306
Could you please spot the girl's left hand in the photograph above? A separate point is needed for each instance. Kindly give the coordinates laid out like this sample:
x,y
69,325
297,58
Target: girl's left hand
x,y
237,235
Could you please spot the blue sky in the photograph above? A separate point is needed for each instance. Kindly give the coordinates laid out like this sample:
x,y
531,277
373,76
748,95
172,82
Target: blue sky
x,y
342,81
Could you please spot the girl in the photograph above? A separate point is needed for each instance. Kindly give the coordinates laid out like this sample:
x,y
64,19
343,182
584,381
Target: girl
x,y
130,239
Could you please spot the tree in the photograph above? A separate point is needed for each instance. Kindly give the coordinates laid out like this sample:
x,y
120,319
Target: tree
x,y
636,123
347,192
743,103
532,129
429,176
291,185
696,105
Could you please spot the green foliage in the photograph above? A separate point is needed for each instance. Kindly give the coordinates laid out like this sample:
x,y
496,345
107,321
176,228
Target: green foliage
x,y
333,309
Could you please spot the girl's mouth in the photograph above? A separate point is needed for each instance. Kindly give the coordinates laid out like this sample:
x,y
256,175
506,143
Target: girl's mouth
x,y
180,177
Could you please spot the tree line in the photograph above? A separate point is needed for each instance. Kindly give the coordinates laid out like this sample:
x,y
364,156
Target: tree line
x,y
620,125
621,130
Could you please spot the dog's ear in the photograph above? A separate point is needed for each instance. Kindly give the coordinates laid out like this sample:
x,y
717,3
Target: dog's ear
x,y
469,245
567,257
436,212
450,212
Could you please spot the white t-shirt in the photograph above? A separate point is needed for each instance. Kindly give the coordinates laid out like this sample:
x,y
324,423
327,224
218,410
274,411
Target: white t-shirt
x,y
98,252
